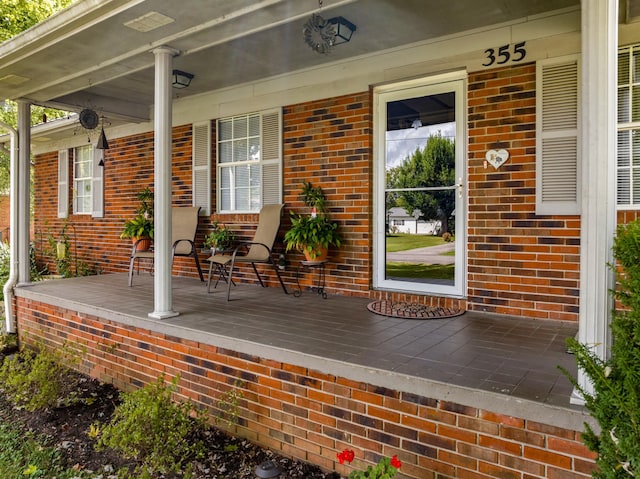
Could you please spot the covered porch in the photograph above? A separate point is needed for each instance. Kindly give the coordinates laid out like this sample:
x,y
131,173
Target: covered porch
x,y
319,375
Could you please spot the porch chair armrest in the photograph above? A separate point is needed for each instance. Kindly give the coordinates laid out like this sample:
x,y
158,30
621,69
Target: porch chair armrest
x,y
247,245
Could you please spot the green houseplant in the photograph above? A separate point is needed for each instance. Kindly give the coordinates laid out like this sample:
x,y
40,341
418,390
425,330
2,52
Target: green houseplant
x,y
313,233
141,225
221,237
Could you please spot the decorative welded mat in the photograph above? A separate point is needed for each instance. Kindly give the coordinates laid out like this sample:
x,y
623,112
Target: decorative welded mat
x,y
401,309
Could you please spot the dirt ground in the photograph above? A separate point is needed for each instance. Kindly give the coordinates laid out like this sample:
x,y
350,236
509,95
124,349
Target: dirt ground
x,y
66,429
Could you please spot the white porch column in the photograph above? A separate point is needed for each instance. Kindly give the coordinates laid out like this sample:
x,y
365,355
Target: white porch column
x,y
162,180
23,195
599,101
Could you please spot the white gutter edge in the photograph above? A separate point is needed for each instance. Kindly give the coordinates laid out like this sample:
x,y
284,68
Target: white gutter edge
x,y
13,233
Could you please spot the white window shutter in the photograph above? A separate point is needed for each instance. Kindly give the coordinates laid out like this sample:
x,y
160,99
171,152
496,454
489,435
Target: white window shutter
x,y
97,185
201,166
63,183
271,157
558,136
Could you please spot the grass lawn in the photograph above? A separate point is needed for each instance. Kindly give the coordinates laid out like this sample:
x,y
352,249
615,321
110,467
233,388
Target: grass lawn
x,y
23,455
402,242
424,271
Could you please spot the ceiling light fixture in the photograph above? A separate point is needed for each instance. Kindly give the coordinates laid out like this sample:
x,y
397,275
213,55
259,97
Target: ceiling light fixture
x,y
343,28
416,124
322,35
181,79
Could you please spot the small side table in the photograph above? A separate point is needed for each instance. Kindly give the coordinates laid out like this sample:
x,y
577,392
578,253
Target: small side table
x,y
220,269
319,267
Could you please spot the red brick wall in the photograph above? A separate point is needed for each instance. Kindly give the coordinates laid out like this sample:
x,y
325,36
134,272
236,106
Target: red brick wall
x,y
128,169
519,263
329,143
310,415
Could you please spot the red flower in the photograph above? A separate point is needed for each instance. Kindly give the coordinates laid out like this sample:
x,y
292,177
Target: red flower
x,y
395,462
346,455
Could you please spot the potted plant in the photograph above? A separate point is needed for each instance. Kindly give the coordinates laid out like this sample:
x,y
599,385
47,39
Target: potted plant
x,y
220,238
313,233
140,227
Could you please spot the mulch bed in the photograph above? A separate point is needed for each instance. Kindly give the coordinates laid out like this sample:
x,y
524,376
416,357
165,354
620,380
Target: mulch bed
x,y
66,429
401,309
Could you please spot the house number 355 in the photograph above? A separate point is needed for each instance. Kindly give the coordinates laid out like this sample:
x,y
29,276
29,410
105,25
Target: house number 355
x,y
503,54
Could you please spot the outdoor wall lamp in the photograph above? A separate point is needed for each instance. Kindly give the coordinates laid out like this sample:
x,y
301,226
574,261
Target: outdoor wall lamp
x,y
181,79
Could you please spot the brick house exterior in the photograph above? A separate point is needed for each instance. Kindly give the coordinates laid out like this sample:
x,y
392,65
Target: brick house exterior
x,y
520,263
517,260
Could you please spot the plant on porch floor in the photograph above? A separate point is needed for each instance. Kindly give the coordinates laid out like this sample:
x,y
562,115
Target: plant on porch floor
x,y
615,402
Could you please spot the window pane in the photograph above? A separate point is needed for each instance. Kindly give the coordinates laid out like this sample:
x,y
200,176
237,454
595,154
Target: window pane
x,y
623,67
225,130
635,104
624,148
242,199
242,176
623,104
635,152
225,152
254,125
255,175
225,200
635,187
240,127
254,149
240,150
624,192
636,64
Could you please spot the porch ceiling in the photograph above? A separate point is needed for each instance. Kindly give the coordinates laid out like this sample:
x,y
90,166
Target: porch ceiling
x,y
87,56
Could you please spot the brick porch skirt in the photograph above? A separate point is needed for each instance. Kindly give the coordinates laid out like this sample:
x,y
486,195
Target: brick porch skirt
x,y
311,416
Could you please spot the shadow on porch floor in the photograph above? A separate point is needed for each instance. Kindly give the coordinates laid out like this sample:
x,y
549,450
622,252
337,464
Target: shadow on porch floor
x,y
477,359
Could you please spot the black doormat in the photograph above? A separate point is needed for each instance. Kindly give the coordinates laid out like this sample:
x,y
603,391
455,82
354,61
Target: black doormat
x,y
405,310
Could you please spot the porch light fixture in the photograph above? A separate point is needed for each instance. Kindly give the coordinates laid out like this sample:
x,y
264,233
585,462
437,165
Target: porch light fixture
x,y
343,28
181,79
267,470
322,35
102,141
416,124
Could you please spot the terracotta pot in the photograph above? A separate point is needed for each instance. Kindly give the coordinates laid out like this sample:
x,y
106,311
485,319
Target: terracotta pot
x,y
143,245
321,254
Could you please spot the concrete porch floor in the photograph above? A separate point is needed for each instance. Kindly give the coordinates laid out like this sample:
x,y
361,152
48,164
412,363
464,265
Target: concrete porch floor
x,y
504,364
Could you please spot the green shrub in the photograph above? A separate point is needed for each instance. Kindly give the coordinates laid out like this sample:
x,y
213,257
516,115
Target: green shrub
x,y
150,427
37,380
615,402
229,405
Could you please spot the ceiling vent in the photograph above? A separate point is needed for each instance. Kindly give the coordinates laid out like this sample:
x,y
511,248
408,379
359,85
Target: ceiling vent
x,y
149,21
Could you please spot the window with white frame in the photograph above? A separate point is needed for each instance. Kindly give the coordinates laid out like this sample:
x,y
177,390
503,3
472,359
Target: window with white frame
x,y
249,161
628,161
82,179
